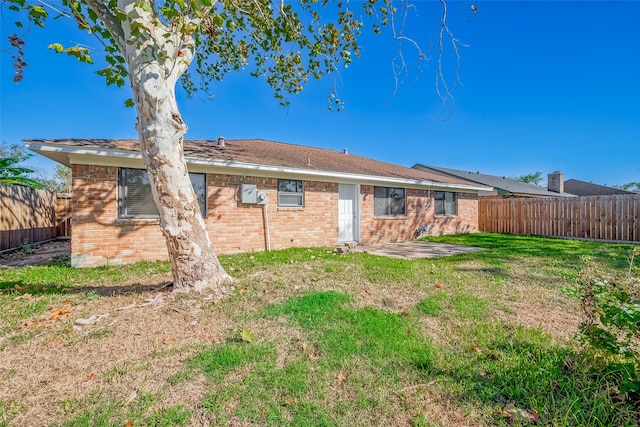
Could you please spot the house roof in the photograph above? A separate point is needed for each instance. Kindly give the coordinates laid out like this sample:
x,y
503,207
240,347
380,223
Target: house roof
x,y
503,184
584,188
256,157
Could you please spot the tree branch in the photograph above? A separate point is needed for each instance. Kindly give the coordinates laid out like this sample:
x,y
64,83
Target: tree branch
x,y
112,24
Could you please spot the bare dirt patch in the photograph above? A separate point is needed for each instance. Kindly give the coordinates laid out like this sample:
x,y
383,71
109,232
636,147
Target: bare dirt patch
x,y
132,351
36,254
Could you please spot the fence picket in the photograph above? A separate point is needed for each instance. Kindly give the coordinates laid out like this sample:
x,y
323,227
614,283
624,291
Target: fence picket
x,y
27,216
615,217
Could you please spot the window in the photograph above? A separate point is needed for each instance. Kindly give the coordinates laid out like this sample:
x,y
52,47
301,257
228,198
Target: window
x,y
446,203
290,193
134,193
388,201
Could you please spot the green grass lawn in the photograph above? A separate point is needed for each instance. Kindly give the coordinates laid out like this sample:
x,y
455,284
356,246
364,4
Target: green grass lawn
x,y
310,338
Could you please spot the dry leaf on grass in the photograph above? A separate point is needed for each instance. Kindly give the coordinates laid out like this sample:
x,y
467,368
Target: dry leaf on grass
x,y
58,315
512,412
36,324
342,377
132,396
289,401
90,377
191,316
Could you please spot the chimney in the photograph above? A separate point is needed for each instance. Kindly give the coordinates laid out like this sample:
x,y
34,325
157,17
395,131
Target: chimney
x,y
221,141
555,182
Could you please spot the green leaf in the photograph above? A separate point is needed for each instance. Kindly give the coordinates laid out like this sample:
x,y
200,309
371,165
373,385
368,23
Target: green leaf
x,y
57,47
37,12
129,103
247,335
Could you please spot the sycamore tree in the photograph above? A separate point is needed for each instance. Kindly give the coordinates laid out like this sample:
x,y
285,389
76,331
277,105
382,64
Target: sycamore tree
x,y
154,44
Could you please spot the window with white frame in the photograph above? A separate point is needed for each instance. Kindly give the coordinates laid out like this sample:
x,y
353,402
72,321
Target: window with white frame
x,y
290,193
134,193
446,203
388,201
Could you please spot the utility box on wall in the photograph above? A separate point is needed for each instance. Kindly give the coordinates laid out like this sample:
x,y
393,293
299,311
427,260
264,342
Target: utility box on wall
x,y
249,193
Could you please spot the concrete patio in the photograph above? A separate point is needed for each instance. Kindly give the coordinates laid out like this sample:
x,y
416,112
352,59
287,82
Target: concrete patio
x,y
416,250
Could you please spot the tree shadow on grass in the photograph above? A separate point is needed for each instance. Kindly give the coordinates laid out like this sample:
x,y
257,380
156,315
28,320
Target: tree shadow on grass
x,y
60,278
38,289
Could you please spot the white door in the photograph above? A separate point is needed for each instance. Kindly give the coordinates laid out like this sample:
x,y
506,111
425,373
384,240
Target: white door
x,y
348,213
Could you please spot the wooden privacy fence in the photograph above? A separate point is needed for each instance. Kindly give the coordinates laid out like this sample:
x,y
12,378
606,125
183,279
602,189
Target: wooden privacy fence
x,y
593,217
26,216
63,214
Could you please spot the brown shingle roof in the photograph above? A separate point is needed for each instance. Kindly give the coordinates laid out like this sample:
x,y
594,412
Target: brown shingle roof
x,y
584,188
261,152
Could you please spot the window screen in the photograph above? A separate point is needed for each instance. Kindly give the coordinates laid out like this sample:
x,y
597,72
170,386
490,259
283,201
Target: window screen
x,y
388,201
290,193
134,193
446,203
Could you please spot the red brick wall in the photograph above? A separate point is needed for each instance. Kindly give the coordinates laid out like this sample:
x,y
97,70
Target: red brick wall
x,y
99,237
238,227
419,212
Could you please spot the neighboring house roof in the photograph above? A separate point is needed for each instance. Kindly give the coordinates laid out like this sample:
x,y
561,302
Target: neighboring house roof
x,y
584,188
255,157
502,184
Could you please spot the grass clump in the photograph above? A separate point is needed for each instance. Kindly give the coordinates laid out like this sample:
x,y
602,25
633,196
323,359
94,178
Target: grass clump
x,y
360,351
342,331
139,412
457,304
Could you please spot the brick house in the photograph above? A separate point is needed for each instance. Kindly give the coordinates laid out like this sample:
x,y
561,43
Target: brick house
x,y
255,195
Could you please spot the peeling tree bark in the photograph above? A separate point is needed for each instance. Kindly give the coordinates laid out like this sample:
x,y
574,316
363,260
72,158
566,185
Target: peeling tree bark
x,y
154,68
194,263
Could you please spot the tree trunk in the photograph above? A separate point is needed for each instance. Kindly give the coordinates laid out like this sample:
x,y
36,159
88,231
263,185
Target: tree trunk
x,y
194,263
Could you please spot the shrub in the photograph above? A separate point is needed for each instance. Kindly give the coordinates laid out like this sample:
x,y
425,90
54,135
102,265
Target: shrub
x,y
611,322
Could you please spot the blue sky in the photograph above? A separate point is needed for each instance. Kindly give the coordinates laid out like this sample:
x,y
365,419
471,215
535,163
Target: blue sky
x,y
547,86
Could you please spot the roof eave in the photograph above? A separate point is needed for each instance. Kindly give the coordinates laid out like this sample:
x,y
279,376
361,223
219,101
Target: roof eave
x,y
57,152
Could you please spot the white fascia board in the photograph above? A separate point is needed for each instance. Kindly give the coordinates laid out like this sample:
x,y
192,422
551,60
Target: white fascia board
x,y
327,176
107,157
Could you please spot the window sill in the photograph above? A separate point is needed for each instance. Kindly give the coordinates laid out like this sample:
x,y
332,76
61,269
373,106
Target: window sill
x,y
290,208
396,217
133,221
446,215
